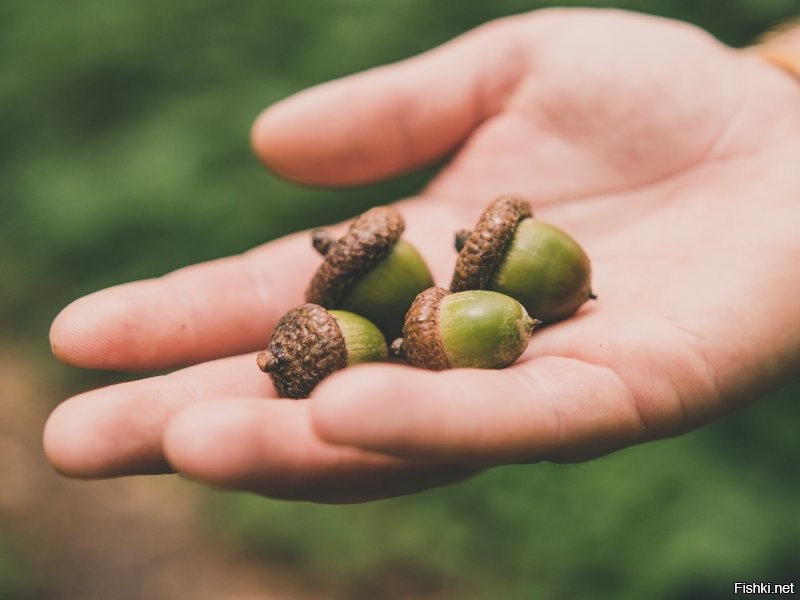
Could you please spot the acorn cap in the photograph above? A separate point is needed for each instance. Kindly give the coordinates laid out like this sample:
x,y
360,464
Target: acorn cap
x,y
306,346
421,343
368,240
483,248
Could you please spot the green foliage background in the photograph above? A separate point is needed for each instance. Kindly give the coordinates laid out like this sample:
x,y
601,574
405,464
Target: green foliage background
x,y
124,154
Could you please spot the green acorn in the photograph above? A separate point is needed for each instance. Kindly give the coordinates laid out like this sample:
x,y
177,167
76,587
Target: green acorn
x,y
534,262
370,271
476,328
309,343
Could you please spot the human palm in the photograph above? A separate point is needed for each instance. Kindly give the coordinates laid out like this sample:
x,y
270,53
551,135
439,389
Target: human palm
x,y
667,155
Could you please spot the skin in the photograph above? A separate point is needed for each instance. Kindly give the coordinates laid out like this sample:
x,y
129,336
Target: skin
x,y
667,155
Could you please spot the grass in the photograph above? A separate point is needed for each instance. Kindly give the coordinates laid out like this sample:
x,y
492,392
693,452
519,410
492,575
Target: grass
x,y
19,578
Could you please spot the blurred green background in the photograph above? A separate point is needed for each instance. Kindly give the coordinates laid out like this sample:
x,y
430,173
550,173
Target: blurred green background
x,y
124,154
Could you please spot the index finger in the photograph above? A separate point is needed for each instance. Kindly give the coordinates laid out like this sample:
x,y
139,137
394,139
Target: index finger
x,y
209,310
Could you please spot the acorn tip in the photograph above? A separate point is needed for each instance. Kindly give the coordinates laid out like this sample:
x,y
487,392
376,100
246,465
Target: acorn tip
x,y
533,324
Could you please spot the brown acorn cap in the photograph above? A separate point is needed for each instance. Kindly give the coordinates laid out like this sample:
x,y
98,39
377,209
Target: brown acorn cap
x,y
483,249
421,343
306,346
367,241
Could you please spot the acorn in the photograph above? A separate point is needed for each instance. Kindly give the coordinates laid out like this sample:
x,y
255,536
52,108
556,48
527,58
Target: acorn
x,y
534,262
475,328
370,270
309,343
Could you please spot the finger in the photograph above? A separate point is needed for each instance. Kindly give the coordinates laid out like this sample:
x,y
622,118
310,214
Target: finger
x,y
394,118
118,430
268,447
209,310
192,420
546,408
218,308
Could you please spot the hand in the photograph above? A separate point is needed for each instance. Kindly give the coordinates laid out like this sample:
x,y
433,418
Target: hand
x,y
670,157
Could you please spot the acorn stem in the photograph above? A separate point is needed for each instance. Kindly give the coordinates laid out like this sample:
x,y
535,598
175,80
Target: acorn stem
x,y
461,238
321,240
398,348
266,361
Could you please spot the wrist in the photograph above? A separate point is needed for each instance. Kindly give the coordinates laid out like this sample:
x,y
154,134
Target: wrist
x,y
781,47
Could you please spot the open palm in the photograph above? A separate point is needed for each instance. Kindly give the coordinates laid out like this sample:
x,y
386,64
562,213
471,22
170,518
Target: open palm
x,y
670,157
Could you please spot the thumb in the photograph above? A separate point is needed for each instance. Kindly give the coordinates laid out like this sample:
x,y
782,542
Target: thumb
x,y
393,118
